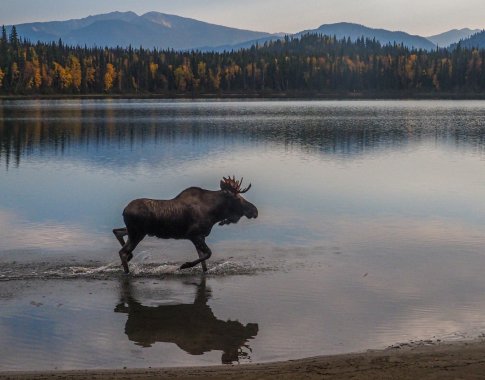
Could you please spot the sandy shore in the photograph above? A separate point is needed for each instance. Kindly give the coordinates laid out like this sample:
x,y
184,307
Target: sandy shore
x,y
460,360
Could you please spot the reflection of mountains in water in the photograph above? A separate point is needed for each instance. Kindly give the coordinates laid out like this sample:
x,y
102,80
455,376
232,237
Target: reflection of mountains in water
x,y
117,136
192,327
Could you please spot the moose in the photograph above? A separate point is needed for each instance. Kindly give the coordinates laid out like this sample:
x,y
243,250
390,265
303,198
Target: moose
x,y
190,215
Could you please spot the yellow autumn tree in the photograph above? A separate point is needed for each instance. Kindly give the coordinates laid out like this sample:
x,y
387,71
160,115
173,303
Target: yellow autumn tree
x,y
215,78
36,70
37,75
180,81
90,72
411,66
74,68
230,73
28,75
183,76
109,77
63,76
201,72
153,69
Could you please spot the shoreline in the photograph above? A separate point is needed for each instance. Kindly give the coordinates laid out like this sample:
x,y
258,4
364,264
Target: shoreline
x,y
422,360
256,96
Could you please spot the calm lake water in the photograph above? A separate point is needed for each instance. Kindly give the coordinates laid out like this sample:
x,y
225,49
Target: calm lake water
x,y
371,230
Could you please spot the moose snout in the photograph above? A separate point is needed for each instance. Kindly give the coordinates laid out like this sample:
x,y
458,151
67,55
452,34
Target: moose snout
x,y
251,212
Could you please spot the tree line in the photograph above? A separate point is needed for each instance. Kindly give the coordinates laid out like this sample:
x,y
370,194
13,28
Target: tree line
x,y
310,64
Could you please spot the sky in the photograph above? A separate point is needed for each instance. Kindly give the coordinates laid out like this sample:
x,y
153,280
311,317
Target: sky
x,y
413,16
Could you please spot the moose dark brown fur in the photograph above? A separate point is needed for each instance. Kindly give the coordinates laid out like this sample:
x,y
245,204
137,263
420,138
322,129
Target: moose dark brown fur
x,y
190,215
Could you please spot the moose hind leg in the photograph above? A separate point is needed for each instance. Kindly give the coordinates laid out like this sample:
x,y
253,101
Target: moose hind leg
x,y
119,234
126,253
204,253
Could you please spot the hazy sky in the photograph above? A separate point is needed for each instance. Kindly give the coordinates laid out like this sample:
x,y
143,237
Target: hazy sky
x,y
424,17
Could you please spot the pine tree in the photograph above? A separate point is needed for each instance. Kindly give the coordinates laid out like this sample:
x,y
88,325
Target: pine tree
x,y
14,38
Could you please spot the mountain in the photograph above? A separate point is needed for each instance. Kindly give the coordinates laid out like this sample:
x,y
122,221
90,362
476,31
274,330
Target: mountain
x,y
53,30
476,40
165,31
452,36
344,30
355,31
149,30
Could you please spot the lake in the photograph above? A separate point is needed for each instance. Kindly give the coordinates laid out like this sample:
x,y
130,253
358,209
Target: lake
x,y
371,230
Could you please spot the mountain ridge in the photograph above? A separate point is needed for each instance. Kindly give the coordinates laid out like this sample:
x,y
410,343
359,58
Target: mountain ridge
x,y
152,29
384,36
166,31
452,36
476,40
347,29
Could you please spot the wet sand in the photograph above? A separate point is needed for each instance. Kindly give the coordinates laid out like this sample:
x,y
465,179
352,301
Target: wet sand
x,y
457,360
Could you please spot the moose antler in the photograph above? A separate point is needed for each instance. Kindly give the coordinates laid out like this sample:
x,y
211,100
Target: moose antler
x,y
232,184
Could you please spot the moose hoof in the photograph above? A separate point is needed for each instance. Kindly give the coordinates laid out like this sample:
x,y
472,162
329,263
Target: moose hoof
x,y
125,267
186,265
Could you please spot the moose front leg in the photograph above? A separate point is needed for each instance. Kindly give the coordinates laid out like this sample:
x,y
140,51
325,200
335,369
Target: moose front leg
x,y
203,263
204,253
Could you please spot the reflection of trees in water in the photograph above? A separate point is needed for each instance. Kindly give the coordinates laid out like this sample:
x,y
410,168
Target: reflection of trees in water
x,y
192,327
82,131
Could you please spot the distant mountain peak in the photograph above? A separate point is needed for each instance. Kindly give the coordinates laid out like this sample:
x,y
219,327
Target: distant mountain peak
x,y
452,36
126,16
356,25
152,29
355,31
476,40
159,18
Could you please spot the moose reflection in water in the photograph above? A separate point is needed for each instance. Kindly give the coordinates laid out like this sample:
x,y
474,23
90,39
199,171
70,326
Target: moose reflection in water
x,y
192,327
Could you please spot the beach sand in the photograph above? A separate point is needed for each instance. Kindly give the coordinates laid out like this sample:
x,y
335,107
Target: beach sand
x,y
424,360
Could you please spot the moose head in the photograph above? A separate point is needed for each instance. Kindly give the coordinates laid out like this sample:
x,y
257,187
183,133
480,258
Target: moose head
x,y
238,205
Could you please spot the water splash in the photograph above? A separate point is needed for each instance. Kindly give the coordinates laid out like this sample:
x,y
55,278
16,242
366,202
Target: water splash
x,y
140,270
15,271
81,270
233,268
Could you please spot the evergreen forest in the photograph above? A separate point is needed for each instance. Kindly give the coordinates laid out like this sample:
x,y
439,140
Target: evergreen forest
x,y
311,65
